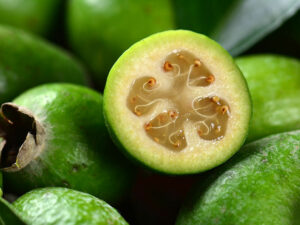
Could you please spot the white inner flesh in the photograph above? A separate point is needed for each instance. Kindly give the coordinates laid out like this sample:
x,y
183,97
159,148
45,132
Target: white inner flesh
x,y
180,103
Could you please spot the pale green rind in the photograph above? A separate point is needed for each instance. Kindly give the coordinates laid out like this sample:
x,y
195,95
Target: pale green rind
x,y
121,136
259,185
62,206
274,83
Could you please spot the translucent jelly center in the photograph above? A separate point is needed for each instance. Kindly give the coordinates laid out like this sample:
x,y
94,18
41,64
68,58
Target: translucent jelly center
x,y
208,115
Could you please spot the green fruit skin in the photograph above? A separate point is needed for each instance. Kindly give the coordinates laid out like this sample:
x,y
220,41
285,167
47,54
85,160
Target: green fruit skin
x,y
35,16
260,185
27,61
274,83
78,152
8,214
62,206
1,185
99,31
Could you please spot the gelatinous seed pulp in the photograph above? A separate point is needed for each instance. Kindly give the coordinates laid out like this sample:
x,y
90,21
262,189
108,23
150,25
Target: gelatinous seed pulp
x,y
209,115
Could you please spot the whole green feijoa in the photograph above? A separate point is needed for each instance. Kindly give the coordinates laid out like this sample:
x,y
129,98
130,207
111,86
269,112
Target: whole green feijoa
x,y
274,83
259,185
100,30
62,206
32,15
55,136
177,103
27,61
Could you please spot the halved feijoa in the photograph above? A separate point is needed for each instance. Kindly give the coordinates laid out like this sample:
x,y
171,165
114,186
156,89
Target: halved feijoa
x,y
177,102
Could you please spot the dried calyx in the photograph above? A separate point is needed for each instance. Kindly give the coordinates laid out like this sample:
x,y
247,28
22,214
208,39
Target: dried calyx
x,y
209,114
22,135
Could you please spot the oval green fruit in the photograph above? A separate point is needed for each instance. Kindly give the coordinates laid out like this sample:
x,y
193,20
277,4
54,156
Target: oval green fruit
x,y
31,15
274,83
259,185
177,103
100,30
55,136
62,206
27,61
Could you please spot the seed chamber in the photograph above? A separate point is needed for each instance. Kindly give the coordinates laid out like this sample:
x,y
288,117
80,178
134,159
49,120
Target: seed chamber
x,y
209,115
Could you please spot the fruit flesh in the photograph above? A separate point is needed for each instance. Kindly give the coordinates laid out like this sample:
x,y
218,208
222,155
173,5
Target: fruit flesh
x,y
259,185
209,115
143,65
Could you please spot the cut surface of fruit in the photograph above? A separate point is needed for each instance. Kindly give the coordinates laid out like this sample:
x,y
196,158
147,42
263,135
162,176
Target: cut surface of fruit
x,y
177,102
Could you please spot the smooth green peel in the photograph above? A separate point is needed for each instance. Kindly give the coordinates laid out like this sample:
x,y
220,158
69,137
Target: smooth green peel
x,y
274,83
259,185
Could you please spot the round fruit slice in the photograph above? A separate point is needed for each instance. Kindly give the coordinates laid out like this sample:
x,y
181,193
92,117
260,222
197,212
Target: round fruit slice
x,y
62,206
54,135
177,102
274,83
259,185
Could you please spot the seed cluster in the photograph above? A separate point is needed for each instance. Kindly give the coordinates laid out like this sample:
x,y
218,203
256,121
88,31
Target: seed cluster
x,y
209,115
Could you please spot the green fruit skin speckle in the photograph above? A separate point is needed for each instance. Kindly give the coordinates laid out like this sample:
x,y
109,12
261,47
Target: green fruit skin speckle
x,y
99,31
78,152
62,206
27,61
260,185
274,83
31,15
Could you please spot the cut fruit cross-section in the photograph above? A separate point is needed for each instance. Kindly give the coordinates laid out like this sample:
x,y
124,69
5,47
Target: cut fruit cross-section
x,y
176,102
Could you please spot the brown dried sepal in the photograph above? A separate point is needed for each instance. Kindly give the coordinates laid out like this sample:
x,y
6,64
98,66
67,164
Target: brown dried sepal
x,y
23,137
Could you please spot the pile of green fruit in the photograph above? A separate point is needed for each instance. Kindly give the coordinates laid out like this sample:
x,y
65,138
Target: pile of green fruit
x,y
178,114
